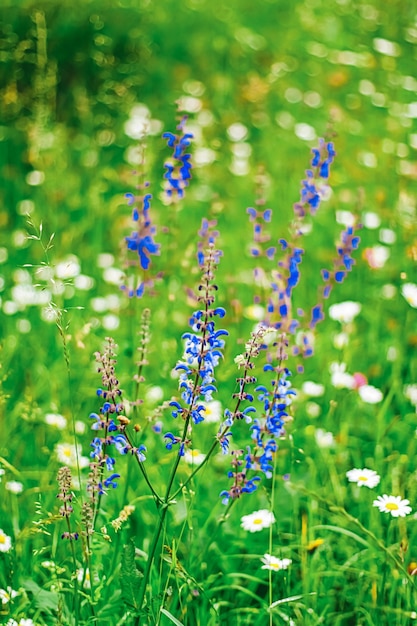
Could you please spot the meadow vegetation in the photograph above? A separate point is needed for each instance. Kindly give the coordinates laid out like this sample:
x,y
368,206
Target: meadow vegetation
x,y
208,296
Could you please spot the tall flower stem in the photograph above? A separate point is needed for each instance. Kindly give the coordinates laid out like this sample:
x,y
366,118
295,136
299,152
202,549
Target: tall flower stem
x,y
163,511
201,321
164,505
143,471
270,589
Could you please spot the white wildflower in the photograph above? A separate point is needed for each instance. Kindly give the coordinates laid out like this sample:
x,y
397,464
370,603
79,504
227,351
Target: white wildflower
x,y
393,504
274,564
345,312
363,477
370,394
258,520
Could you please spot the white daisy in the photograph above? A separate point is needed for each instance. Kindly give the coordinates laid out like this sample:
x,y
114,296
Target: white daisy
x,y
274,564
79,427
258,520
409,291
312,389
313,409
194,457
345,312
14,486
68,268
371,220
5,542
83,576
370,394
255,312
339,376
340,340
377,256
324,439
363,477
393,504
154,394
67,453
410,392
212,411
57,420
7,594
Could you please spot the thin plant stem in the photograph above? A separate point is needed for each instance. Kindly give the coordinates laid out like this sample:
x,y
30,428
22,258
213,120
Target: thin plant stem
x,y
168,498
270,542
74,562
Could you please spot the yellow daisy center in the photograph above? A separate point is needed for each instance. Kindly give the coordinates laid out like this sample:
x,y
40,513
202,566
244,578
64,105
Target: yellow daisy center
x,y
194,453
363,478
2,539
392,506
257,520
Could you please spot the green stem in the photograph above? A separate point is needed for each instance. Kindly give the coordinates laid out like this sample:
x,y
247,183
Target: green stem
x,y
142,469
198,468
74,562
270,594
89,567
167,499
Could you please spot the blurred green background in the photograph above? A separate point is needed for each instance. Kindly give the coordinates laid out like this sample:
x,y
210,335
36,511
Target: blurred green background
x,y
262,82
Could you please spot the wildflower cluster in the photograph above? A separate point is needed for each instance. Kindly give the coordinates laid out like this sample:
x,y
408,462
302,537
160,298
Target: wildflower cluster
x,y
141,240
265,432
142,348
178,169
202,352
122,517
65,496
263,407
284,279
342,265
240,467
111,424
269,425
393,505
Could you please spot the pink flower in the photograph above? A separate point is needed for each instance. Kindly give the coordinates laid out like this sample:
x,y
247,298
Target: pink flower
x,y
359,380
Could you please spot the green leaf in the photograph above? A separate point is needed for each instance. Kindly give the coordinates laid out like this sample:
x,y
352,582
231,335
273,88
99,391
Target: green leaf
x,y
45,600
130,577
343,531
171,617
292,599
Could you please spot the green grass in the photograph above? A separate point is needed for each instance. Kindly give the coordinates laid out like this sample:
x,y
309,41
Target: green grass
x,y
70,76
